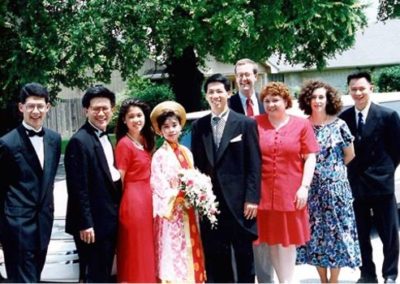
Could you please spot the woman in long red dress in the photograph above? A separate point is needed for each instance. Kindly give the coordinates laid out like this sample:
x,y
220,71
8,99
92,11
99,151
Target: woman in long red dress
x,y
288,146
135,143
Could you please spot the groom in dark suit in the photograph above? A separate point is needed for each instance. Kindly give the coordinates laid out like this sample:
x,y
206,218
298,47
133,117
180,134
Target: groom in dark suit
x,y
29,157
371,174
225,147
94,188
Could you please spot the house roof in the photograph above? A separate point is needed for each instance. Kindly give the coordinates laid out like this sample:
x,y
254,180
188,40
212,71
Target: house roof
x,y
377,45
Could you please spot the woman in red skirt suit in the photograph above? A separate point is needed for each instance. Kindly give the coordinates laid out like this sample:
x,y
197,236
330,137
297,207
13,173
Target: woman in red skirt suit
x,y
135,144
288,147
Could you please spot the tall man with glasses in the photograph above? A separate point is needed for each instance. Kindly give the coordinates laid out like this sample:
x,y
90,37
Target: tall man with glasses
x,y
371,175
94,188
29,157
247,102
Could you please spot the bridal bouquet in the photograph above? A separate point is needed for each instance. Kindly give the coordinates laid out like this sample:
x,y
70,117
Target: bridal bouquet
x,y
198,193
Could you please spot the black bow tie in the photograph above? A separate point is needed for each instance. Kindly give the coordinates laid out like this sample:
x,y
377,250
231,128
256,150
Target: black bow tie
x,y
32,133
101,134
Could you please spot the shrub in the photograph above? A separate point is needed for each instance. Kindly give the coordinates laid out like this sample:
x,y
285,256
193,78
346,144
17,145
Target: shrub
x,y
145,90
389,79
151,93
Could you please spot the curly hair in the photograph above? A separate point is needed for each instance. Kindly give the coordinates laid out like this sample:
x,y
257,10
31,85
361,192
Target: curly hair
x,y
277,89
333,102
147,131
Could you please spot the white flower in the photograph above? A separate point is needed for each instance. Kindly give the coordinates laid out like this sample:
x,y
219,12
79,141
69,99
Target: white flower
x,y
198,194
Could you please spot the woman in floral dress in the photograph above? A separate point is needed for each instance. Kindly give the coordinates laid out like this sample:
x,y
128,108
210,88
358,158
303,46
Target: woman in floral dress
x,y
179,252
334,242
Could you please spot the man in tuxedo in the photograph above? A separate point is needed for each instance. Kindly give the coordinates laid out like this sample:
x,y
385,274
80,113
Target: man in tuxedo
x,y
29,157
371,174
225,147
246,100
94,188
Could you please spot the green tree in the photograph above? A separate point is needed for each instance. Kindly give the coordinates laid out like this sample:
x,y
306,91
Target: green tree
x,y
388,9
78,42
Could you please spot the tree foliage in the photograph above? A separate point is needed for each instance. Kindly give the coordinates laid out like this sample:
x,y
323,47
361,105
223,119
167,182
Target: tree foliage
x,y
78,42
388,9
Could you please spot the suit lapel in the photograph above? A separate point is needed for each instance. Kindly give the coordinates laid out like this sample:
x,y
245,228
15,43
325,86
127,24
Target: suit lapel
x,y
208,139
48,145
29,152
371,121
351,121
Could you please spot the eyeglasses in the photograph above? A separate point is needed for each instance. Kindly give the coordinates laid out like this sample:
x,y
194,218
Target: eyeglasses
x,y
31,107
244,75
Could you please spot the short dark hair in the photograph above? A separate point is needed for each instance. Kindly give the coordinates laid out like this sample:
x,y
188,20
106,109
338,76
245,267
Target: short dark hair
x,y
98,91
359,75
333,102
121,129
165,115
33,90
218,78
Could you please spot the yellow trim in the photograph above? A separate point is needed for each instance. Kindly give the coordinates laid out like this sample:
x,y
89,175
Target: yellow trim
x,y
189,251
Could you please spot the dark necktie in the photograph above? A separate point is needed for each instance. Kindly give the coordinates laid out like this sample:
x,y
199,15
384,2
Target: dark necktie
x,y
360,125
32,133
249,107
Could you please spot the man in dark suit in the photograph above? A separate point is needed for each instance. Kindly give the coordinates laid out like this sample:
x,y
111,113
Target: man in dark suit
x,y
94,188
246,101
225,147
371,174
29,157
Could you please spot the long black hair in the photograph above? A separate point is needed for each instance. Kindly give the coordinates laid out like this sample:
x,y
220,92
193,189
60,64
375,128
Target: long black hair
x,y
147,131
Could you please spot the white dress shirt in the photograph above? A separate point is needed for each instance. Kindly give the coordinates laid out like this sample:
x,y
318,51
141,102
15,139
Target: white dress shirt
x,y
37,143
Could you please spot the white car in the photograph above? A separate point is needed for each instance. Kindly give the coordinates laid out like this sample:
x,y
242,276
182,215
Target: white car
x,y
62,262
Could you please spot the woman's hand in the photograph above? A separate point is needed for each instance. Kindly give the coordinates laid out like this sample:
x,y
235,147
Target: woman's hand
x,y
301,197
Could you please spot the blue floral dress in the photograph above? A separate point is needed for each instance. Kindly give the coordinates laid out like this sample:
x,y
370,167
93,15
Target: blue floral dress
x,y
334,241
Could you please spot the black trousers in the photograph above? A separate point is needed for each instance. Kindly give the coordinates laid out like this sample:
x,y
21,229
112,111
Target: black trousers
x,y
219,245
381,211
96,260
23,266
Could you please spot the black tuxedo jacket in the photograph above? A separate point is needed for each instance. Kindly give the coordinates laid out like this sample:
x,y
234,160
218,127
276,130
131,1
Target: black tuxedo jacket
x,y
236,104
93,198
371,172
235,168
26,190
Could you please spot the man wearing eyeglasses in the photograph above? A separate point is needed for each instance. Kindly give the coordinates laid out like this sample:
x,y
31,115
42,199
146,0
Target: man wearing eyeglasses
x,y
94,188
29,157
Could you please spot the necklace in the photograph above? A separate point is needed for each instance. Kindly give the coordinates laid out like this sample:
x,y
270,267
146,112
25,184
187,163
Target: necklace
x,y
136,143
